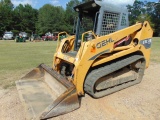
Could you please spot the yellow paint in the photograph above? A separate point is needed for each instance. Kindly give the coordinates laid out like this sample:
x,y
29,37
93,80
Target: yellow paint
x,y
83,62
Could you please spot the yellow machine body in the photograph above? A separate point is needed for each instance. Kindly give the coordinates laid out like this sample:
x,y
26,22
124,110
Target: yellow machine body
x,y
101,50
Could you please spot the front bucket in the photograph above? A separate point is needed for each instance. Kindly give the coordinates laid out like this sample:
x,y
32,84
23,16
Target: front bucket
x,y
46,94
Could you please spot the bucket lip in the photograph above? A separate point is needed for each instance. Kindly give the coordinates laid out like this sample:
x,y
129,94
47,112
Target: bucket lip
x,y
57,76
49,112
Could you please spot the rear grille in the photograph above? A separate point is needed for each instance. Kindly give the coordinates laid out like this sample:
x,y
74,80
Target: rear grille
x,y
109,23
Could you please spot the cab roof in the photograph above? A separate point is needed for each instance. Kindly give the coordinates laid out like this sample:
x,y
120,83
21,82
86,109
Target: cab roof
x,y
87,8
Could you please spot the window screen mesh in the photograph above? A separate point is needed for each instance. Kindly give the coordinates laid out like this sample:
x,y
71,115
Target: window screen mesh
x,y
109,23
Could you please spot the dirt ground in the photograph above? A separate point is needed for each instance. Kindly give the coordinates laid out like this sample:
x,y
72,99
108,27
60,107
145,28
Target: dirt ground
x,y
139,102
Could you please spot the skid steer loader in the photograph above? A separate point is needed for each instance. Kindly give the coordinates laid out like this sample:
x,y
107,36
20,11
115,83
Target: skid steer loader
x,y
104,56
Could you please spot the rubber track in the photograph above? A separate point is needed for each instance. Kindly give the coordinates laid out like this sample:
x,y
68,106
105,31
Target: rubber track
x,y
94,75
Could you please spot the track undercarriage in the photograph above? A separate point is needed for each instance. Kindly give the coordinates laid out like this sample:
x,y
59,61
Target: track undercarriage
x,y
115,76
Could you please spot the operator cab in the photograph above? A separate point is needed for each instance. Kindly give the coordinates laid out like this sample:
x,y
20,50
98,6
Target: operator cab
x,y
95,19
87,20
100,17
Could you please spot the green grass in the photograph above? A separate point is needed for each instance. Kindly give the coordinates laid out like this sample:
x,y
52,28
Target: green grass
x,y
155,52
16,59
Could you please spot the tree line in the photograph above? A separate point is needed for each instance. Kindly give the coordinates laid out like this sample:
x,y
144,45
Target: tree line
x,y
51,18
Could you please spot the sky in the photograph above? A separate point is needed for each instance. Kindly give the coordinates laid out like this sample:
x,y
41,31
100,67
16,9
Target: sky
x,y
39,3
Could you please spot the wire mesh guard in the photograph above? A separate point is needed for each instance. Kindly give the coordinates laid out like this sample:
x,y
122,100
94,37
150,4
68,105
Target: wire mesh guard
x,y
109,23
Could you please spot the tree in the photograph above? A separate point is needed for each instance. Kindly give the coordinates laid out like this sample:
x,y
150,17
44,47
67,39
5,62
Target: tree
x,y
25,18
86,0
21,18
156,19
142,11
5,15
49,20
135,11
70,14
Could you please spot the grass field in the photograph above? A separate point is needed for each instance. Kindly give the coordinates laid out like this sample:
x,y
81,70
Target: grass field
x,y
16,59
155,52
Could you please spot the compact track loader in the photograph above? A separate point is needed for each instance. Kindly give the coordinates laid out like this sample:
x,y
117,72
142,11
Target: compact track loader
x,y
104,56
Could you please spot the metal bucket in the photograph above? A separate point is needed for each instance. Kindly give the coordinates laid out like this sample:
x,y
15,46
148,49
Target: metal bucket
x,y
46,94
